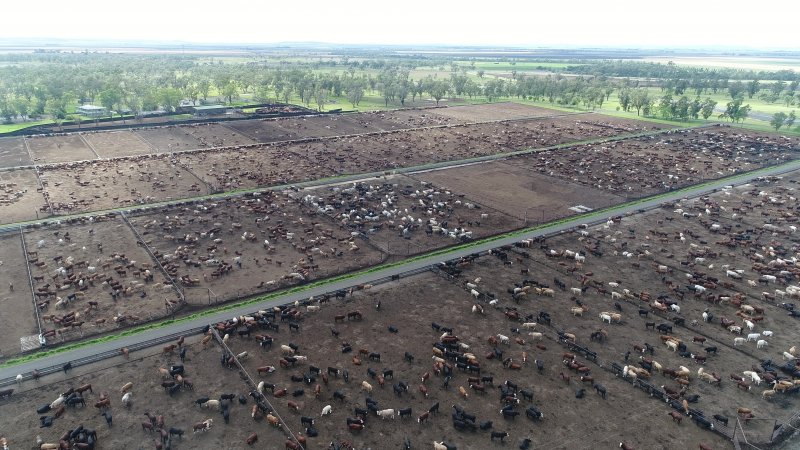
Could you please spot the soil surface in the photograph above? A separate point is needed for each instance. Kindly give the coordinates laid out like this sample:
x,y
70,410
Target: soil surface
x,y
56,149
20,196
13,153
521,193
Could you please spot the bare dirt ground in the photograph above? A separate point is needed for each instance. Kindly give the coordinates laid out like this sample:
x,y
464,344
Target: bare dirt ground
x,y
241,246
13,153
494,111
20,423
117,183
227,170
518,192
20,198
17,317
216,135
411,304
113,144
100,262
169,139
56,149
402,216
654,164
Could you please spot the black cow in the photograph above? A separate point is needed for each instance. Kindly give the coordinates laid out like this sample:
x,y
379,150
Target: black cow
x,y
600,390
499,435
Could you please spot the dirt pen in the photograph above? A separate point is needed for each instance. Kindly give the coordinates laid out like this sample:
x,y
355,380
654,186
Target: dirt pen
x,y
118,183
13,153
17,316
20,422
115,144
521,193
493,111
56,149
402,216
97,272
20,196
240,246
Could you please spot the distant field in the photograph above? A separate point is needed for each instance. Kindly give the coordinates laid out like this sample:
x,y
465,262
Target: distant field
x,y
732,62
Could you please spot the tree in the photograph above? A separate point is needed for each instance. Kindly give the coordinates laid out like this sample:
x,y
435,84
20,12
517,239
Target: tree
x,y
169,98
778,120
735,112
56,108
204,87
355,92
230,91
708,108
110,99
625,99
438,89
736,89
481,73
321,97
790,119
695,107
23,106
666,107
752,88
640,99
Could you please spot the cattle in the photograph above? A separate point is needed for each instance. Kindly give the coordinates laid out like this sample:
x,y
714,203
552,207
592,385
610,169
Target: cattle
x,y
498,435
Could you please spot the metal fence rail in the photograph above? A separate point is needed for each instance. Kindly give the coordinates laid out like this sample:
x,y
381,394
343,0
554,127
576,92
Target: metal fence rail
x,y
30,281
252,384
105,355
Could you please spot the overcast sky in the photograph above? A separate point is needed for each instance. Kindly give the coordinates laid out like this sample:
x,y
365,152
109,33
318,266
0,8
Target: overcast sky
x,y
532,23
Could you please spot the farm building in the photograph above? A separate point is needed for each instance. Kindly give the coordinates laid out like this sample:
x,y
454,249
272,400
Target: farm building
x,y
209,110
92,110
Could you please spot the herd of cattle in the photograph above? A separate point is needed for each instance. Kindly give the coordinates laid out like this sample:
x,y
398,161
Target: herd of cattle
x,y
652,164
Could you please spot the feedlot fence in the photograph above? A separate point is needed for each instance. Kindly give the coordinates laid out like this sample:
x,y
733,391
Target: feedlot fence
x,y
252,385
91,359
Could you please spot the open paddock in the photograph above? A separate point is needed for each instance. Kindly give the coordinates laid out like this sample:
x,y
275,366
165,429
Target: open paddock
x,y
240,246
518,192
117,183
653,164
113,144
13,153
493,111
97,273
403,216
56,149
21,424
17,317
243,168
20,197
